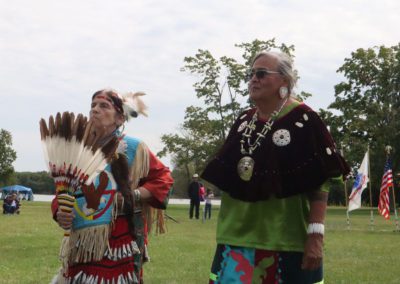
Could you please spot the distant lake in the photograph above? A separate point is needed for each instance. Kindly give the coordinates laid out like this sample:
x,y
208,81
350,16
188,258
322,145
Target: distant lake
x,y
49,198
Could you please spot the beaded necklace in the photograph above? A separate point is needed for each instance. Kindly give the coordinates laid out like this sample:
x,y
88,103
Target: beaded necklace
x,y
247,133
246,164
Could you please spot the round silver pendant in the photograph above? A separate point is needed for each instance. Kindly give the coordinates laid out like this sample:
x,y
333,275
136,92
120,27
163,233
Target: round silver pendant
x,y
281,137
245,168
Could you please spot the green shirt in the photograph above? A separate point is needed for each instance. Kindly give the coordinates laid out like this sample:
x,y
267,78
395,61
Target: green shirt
x,y
274,224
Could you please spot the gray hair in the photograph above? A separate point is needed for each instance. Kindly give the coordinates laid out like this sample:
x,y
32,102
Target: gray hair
x,y
285,66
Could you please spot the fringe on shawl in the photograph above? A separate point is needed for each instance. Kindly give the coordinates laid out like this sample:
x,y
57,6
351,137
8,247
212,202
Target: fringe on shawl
x,y
159,219
85,245
140,169
90,244
64,247
140,165
155,217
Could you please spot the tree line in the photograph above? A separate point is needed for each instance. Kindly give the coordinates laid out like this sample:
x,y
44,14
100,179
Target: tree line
x,y
40,182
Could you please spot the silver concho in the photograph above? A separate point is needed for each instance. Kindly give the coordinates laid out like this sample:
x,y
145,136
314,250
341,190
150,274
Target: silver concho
x,y
281,137
245,168
242,126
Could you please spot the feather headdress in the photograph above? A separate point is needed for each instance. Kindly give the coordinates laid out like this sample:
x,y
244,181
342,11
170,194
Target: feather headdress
x,y
133,105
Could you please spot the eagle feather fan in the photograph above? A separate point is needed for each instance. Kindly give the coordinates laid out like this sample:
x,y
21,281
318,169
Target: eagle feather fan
x,y
73,158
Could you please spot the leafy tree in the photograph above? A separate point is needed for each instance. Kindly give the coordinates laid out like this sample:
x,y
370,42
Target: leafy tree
x,y
368,101
7,157
180,188
223,90
40,182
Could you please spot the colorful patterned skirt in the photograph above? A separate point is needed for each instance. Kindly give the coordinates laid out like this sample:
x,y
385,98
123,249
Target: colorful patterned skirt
x,y
240,265
122,262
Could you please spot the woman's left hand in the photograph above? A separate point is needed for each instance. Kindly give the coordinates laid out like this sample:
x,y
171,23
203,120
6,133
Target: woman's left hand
x,y
144,196
312,258
120,201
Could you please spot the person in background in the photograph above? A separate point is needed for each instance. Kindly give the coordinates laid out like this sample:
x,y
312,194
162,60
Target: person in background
x,y
11,204
208,197
273,170
16,203
133,181
194,195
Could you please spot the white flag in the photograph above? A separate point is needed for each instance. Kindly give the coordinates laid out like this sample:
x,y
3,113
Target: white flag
x,y
359,185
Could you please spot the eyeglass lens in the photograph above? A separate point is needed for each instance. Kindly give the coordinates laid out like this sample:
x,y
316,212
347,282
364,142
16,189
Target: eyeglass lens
x,y
259,74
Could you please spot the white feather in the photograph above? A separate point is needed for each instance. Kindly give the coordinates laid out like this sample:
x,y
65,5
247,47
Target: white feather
x,y
45,153
132,102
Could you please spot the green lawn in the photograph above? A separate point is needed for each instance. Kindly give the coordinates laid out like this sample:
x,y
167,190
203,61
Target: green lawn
x,y
30,242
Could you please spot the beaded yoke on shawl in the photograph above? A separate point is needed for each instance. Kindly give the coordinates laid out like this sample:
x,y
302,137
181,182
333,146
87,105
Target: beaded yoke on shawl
x,y
95,206
297,155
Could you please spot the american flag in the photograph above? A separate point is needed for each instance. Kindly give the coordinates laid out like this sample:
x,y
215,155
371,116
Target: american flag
x,y
387,182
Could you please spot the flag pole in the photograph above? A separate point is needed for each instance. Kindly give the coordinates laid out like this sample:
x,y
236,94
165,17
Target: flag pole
x,y
388,149
347,204
346,197
370,193
395,210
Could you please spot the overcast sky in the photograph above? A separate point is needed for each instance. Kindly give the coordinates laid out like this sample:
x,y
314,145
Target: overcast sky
x,y
55,54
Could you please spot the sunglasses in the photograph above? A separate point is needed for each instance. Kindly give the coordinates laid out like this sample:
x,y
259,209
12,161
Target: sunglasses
x,y
260,73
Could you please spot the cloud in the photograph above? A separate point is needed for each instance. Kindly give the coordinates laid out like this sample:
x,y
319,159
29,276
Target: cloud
x,y
54,58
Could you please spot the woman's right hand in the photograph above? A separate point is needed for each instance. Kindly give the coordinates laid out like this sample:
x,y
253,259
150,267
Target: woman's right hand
x,y
64,219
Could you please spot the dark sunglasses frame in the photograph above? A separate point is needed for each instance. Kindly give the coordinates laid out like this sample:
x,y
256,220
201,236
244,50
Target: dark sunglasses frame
x,y
260,73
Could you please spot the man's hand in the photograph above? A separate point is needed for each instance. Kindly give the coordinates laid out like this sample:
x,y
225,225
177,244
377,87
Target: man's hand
x,y
312,258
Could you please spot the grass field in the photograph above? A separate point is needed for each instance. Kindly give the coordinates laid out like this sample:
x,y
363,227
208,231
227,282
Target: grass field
x,y
29,246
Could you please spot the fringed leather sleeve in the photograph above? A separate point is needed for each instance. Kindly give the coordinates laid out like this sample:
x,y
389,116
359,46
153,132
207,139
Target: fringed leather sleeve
x,y
149,172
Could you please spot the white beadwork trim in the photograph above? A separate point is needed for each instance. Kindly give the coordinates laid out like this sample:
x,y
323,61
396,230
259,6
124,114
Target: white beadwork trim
x,y
316,228
299,124
328,151
242,126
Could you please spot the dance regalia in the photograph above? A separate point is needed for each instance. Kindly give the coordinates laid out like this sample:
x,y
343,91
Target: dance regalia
x,y
121,253
262,222
297,155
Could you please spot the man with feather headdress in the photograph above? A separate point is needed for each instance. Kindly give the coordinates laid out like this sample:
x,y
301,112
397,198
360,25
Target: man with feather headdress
x,y
109,221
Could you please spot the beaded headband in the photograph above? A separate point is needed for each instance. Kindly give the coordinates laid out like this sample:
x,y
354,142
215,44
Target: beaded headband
x,y
130,105
111,97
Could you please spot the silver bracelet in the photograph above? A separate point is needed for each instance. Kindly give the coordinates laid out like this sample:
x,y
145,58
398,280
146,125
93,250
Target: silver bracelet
x,y
136,195
316,228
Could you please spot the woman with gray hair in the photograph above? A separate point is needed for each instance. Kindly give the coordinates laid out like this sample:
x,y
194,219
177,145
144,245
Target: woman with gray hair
x,y
273,170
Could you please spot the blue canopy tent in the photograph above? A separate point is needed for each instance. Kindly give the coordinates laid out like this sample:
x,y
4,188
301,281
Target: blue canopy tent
x,y
19,189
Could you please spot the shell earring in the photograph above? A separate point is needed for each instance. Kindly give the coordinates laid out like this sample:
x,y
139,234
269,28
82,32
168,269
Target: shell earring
x,y
123,127
283,92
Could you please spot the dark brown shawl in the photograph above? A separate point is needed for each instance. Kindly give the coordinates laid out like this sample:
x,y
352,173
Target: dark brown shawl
x,y
301,166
